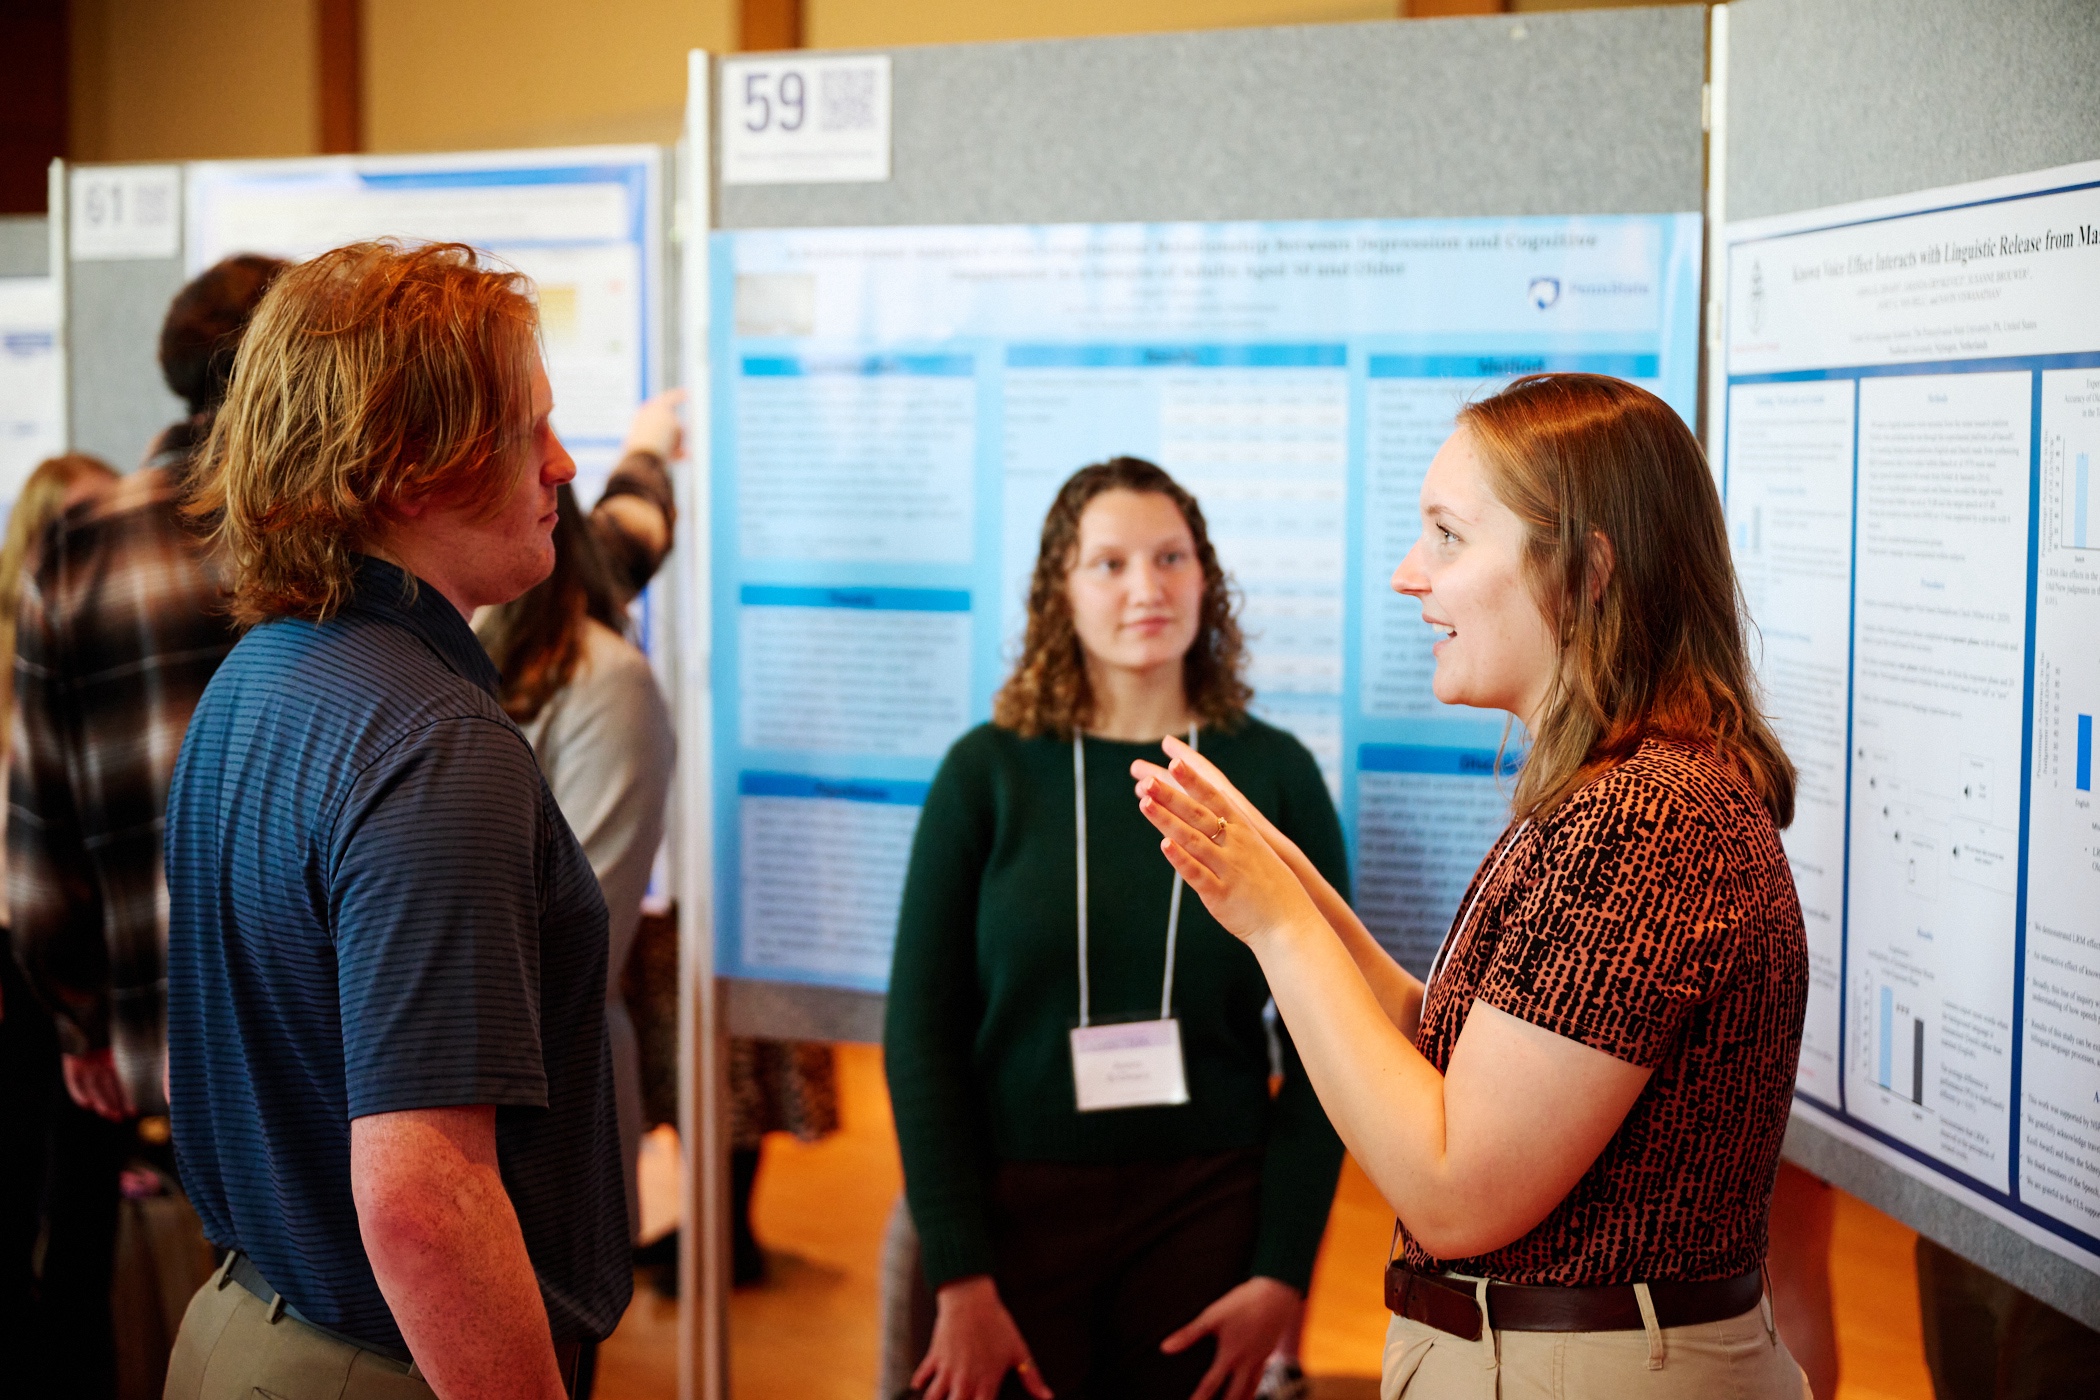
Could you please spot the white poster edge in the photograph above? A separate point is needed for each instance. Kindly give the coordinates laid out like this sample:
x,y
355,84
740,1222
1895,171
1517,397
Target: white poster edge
x,y
199,174
1911,205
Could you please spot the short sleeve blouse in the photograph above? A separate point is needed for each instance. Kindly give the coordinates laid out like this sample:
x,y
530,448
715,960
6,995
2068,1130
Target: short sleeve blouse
x,y
1651,916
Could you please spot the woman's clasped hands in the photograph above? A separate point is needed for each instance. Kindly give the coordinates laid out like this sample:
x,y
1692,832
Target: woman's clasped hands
x,y
1244,870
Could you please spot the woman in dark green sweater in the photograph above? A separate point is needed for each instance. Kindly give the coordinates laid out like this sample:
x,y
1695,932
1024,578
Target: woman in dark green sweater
x,y
1158,1242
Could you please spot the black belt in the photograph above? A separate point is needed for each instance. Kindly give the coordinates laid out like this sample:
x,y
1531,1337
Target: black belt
x,y
240,1269
573,1358
1449,1305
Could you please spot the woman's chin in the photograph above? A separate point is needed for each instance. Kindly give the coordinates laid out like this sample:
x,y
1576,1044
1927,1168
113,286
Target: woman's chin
x,y
1147,659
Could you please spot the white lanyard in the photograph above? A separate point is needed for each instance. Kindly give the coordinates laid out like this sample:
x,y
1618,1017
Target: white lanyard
x,y
1458,930
1166,991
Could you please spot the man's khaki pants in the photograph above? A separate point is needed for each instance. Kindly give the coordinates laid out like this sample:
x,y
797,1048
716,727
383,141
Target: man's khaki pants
x,y
232,1348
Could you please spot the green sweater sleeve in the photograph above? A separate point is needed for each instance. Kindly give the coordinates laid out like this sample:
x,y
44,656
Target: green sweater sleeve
x,y
1303,1159
934,1006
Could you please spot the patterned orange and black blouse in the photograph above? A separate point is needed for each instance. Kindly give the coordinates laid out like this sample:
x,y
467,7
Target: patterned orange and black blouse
x,y
1651,916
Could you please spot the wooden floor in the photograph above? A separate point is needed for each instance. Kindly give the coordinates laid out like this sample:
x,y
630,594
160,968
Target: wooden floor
x,y
809,1333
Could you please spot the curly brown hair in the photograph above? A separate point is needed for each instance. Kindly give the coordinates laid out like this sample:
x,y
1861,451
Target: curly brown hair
x,y
1048,692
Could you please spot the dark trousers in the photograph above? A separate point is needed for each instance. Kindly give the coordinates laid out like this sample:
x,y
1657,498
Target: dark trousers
x,y
1986,1340
1098,1264
28,1071
59,1165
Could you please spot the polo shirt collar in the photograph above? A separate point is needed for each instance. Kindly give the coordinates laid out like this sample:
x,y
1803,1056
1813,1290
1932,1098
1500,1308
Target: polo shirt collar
x,y
381,590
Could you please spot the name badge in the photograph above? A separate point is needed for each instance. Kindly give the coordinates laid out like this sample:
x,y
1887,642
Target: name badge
x,y
1129,1064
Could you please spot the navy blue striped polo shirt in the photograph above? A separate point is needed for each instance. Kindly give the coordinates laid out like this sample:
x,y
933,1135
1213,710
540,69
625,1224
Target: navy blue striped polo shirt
x,y
375,905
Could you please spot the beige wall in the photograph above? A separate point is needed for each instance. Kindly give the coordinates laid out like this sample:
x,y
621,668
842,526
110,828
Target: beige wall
x,y
190,79
482,74
868,23
198,79
201,79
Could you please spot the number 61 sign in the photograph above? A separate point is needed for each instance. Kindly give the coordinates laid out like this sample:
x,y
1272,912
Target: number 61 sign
x,y
789,120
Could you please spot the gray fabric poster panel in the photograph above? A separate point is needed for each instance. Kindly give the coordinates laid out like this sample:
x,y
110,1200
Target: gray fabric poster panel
x,y
1831,103
116,399
1593,113
793,1011
25,245
1976,1237
113,315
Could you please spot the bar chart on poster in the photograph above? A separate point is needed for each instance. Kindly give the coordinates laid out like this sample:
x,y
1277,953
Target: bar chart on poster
x,y
1913,408
895,409
581,223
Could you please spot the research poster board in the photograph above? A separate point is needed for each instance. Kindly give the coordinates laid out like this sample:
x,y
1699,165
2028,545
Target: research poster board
x,y
894,409
1913,418
31,403
583,223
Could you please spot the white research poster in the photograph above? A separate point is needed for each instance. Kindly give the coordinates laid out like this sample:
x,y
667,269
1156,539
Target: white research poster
x,y
30,397
582,223
1913,422
894,409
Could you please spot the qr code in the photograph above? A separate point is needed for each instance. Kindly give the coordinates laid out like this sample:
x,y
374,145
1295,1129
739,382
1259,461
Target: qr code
x,y
153,204
846,99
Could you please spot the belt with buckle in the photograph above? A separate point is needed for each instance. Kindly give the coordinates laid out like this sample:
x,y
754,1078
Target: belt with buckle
x,y
240,1269
569,1357
1449,1304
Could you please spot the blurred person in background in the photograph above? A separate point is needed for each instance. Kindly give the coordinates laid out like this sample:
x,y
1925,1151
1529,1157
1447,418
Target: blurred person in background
x,y
774,1086
635,515
29,1074
1987,1340
585,697
120,625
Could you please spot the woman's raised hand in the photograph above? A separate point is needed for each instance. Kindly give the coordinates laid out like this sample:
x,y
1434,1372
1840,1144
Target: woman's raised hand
x,y
1220,845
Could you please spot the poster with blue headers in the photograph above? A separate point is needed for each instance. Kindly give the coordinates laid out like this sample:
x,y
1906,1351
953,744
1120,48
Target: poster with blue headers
x,y
894,409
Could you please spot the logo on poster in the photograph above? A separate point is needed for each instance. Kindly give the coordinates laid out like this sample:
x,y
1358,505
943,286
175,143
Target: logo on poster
x,y
1544,291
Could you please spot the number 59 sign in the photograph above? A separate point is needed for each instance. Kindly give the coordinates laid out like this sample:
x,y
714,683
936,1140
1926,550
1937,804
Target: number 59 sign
x,y
788,120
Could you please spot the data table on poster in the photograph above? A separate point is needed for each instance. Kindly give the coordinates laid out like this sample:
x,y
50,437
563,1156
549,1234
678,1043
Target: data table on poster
x,y
580,223
1912,412
895,408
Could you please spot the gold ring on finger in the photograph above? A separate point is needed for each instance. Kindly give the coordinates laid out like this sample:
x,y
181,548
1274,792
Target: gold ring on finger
x,y
1217,838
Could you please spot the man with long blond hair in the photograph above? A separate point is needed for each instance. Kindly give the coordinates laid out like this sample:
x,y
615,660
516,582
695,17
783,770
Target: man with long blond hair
x,y
391,1086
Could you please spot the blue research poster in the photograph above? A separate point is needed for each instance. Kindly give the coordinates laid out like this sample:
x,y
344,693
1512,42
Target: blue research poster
x,y
1913,413
894,409
582,223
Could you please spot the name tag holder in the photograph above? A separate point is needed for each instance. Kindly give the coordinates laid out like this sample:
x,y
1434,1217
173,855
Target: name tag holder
x,y
1124,1064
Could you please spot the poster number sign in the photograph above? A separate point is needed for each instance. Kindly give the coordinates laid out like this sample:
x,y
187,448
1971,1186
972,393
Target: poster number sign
x,y
125,211
791,121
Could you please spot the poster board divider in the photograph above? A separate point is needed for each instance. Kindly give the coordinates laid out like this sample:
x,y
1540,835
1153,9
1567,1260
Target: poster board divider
x,y
1817,1149
1714,401
703,1258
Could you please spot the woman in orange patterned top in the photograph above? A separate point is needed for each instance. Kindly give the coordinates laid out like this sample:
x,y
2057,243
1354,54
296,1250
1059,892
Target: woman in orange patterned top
x,y
1578,1118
